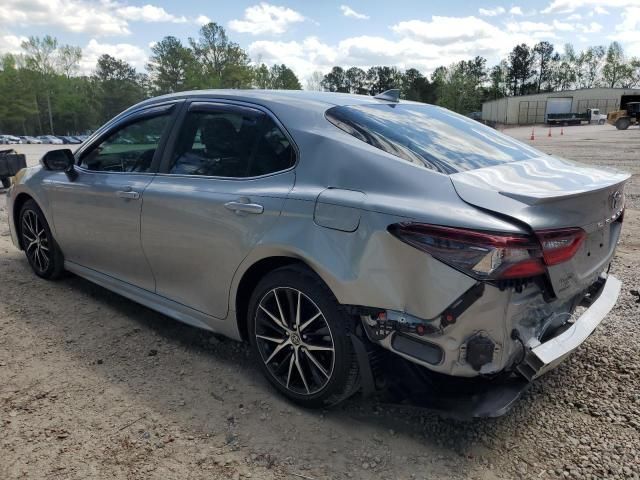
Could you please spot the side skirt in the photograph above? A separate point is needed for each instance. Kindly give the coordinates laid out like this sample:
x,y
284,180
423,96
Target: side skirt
x,y
175,310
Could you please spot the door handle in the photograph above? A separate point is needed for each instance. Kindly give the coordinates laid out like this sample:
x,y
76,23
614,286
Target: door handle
x,y
244,207
128,194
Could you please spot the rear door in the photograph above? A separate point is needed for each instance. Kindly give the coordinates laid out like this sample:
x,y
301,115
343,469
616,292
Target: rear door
x,y
221,186
97,215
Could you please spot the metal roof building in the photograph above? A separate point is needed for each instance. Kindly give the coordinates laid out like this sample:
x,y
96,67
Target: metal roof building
x,y
529,109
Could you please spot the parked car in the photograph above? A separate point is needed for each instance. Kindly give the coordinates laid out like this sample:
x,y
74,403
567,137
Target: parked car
x,y
30,140
336,234
50,139
10,140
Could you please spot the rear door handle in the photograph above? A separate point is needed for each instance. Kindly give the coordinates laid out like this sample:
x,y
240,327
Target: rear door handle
x,y
244,207
128,194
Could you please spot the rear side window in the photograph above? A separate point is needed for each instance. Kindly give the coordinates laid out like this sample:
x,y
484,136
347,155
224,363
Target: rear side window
x,y
231,143
429,136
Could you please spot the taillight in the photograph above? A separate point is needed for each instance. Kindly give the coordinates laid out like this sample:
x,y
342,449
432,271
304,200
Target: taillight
x,y
491,255
560,245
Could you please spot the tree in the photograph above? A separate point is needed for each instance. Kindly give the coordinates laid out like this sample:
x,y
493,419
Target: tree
x,y
262,76
335,80
283,78
171,66
69,59
520,69
355,80
415,86
589,66
40,55
117,86
222,62
543,52
381,79
314,81
615,68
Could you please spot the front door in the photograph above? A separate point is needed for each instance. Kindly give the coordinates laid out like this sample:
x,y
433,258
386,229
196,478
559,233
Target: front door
x,y
97,215
220,188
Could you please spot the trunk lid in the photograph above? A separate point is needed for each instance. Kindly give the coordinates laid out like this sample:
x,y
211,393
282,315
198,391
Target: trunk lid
x,y
552,193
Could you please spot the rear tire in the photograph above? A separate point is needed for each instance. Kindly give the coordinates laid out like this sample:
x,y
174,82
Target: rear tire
x,y
42,251
622,123
300,335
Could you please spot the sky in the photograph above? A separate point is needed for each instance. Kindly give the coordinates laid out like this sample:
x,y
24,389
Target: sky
x,y
314,35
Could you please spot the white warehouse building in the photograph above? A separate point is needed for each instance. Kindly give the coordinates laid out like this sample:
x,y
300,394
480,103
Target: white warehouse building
x,y
529,109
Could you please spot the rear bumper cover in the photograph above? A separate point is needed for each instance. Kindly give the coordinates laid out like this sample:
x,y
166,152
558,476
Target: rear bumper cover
x,y
543,357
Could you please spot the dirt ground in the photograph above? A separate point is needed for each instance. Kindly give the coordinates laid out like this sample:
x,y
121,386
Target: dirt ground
x,y
95,386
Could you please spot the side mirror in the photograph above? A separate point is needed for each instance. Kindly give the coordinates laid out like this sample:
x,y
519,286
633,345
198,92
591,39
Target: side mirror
x,y
60,161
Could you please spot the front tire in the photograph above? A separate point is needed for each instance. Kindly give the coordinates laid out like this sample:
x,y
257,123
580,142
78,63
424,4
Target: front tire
x,y
42,251
300,336
623,123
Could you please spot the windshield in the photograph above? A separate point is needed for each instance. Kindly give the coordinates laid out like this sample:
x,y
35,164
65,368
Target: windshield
x,y
429,136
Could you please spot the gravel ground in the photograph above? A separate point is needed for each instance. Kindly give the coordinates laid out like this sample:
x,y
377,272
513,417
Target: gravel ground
x,y
93,385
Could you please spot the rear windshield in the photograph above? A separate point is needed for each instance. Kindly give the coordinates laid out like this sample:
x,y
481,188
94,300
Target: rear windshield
x,y
429,136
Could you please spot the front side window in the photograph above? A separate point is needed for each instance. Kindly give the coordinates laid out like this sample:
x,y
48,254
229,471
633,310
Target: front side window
x,y
429,136
129,149
233,143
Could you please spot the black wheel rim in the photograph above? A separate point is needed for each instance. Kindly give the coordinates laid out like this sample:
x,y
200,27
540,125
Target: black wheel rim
x,y
294,340
35,241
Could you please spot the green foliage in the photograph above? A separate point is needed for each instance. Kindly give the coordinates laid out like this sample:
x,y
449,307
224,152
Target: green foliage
x,y
41,90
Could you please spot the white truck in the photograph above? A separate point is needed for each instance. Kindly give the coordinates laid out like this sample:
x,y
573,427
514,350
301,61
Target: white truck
x,y
592,115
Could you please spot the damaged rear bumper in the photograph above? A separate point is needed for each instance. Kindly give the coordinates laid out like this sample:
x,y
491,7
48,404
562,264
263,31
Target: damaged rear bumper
x,y
542,357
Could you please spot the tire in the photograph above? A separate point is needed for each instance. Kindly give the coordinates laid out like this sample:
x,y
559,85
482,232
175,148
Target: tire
x,y
297,359
42,251
622,123
6,182
600,122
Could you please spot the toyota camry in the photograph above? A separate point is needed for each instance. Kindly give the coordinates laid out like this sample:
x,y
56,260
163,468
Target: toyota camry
x,y
327,229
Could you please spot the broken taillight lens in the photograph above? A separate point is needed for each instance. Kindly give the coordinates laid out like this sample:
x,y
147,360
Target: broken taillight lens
x,y
491,255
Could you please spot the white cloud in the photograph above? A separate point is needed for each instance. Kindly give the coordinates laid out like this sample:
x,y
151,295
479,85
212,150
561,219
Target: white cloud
x,y
202,20
419,44
491,12
148,13
569,6
98,18
600,10
266,18
11,43
133,54
630,22
574,16
529,27
347,11
593,27
516,11
563,26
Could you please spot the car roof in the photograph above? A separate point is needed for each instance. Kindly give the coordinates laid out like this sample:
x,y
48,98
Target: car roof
x,y
294,98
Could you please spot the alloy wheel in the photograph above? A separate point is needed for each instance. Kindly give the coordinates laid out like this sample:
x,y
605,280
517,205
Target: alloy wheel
x,y
35,240
294,340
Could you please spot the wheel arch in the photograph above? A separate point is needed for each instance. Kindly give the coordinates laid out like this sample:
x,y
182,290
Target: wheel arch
x,y
18,203
249,279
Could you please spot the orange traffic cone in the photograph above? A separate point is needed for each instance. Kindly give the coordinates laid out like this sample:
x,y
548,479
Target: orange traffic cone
x,y
533,137
561,131
549,133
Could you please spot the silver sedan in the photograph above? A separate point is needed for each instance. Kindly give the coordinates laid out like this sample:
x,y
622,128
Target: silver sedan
x,y
334,233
